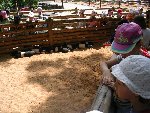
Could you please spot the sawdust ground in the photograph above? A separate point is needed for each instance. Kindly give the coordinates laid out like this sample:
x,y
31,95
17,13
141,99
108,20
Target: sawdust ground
x,y
51,83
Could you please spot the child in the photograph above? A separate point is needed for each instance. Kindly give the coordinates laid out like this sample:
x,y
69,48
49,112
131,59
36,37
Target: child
x,y
93,21
119,13
130,16
140,20
81,15
110,13
132,79
126,42
141,13
30,17
3,17
40,14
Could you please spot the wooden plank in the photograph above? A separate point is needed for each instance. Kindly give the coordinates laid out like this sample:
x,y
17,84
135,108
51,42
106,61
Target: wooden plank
x,y
76,37
23,44
99,98
93,39
23,31
107,101
82,29
102,99
9,39
21,38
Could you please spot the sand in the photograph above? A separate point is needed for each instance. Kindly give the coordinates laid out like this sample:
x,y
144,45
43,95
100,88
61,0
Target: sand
x,y
51,83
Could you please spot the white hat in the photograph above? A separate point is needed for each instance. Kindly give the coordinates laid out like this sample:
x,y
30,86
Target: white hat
x,y
134,71
39,9
94,111
31,14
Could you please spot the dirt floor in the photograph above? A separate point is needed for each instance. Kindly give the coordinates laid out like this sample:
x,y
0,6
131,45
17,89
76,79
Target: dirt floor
x,y
115,5
51,83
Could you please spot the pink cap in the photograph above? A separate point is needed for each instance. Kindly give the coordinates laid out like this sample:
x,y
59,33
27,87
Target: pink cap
x,y
126,37
4,14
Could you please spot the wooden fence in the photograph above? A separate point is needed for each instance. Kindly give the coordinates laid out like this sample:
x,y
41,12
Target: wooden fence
x,y
52,32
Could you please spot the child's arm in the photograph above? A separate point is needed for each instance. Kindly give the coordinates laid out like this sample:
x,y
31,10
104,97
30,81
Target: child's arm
x,y
107,78
109,63
105,68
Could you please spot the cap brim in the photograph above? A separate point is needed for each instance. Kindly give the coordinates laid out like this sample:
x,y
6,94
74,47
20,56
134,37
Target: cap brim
x,y
120,48
117,72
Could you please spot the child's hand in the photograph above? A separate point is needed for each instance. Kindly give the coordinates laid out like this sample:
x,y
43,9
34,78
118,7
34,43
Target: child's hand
x,y
108,79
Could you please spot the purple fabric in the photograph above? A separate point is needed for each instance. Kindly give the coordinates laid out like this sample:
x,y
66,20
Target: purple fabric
x,y
120,47
4,14
126,36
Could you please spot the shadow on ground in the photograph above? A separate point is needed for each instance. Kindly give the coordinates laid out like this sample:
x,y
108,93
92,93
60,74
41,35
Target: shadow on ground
x,y
74,82
5,57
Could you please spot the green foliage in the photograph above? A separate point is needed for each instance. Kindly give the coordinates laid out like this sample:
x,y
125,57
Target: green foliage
x,y
5,4
9,4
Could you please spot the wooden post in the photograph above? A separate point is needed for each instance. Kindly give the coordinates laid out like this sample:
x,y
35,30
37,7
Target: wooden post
x,y
50,32
100,2
89,2
119,3
107,101
62,3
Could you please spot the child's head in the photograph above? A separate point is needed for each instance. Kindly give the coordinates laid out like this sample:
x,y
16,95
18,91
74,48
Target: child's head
x,y
130,17
132,79
39,9
31,16
126,38
93,13
119,12
110,12
140,10
4,14
81,12
140,20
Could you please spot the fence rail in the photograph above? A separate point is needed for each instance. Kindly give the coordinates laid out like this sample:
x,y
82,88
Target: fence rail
x,y
50,33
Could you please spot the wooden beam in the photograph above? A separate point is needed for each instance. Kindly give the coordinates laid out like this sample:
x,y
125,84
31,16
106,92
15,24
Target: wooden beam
x,y
100,3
